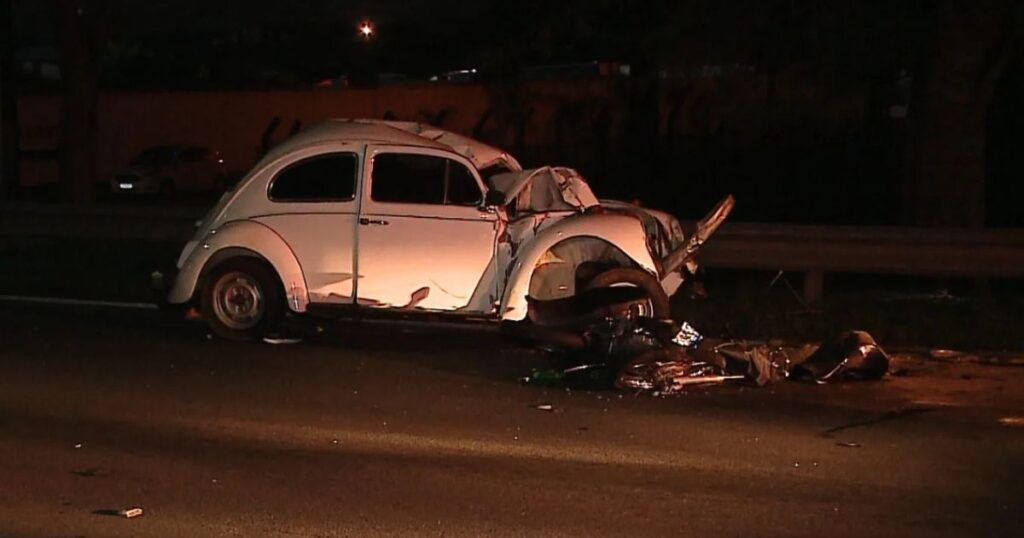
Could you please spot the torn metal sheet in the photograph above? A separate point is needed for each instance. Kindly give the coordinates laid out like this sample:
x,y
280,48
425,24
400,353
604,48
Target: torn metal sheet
x,y
705,229
549,188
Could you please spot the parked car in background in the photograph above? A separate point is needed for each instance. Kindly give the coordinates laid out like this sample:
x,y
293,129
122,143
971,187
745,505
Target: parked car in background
x,y
168,169
399,217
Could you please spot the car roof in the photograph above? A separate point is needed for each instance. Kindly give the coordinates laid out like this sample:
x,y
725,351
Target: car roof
x,y
388,132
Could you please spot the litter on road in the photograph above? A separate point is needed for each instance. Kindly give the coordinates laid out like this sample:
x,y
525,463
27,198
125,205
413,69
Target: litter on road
x,y
129,513
603,342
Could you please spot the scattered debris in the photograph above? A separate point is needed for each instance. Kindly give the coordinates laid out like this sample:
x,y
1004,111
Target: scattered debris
x,y
846,444
854,355
545,407
129,513
601,340
78,445
281,340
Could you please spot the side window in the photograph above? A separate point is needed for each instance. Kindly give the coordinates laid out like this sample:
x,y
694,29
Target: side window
x,y
409,178
330,177
462,186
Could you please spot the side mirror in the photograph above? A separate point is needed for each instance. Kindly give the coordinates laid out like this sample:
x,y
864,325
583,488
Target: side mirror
x,y
494,198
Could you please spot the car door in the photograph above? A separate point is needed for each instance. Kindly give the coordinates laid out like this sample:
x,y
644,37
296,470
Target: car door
x,y
424,239
311,203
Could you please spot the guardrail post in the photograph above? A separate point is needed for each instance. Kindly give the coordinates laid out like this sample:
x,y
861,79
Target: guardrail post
x,y
814,287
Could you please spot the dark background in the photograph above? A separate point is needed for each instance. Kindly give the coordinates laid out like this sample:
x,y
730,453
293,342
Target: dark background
x,y
935,85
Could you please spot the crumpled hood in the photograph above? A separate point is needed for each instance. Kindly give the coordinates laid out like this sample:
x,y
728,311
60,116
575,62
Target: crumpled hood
x,y
548,188
664,232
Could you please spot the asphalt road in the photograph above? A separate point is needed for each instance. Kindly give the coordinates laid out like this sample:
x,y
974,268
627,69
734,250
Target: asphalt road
x,y
379,430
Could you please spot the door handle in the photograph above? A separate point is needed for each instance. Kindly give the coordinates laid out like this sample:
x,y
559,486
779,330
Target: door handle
x,y
377,222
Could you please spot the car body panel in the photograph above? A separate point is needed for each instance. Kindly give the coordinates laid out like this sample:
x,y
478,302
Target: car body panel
x,y
621,231
424,256
244,238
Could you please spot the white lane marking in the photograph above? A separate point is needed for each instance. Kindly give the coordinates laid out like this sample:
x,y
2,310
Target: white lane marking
x,y
75,302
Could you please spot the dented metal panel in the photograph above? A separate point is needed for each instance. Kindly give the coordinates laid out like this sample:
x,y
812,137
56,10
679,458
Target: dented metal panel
x,y
623,232
545,189
424,256
550,233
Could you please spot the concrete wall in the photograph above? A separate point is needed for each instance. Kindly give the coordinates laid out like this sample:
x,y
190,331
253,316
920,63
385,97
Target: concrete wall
x,y
234,122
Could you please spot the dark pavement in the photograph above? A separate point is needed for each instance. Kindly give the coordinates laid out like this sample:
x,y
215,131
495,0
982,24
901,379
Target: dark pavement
x,y
383,430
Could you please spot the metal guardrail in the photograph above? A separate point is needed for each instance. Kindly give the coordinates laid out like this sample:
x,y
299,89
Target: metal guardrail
x,y
868,249
810,249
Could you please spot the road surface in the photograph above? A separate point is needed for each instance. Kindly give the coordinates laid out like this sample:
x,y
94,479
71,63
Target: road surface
x,y
382,430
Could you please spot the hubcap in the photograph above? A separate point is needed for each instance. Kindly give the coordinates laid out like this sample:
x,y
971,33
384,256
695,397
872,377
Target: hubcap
x,y
238,300
641,309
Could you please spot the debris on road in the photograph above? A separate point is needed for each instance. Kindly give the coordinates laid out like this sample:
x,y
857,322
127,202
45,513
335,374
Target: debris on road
x,y
846,444
854,355
130,513
545,407
78,445
281,340
603,343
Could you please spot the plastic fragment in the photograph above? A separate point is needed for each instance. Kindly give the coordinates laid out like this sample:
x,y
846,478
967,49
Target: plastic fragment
x,y
281,340
129,513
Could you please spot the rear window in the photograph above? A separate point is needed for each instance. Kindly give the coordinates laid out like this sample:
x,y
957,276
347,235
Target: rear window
x,y
324,178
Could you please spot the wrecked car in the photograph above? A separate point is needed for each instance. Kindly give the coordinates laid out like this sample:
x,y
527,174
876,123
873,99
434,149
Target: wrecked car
x,y
404,218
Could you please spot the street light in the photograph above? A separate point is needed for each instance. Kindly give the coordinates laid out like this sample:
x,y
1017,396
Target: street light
x,y
365,29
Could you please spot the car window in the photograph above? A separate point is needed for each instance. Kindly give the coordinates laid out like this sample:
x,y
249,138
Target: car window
x,y
330,177
462,186
409,178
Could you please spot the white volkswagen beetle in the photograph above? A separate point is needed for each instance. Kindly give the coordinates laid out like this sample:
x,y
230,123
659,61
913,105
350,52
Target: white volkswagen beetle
x,y
406,218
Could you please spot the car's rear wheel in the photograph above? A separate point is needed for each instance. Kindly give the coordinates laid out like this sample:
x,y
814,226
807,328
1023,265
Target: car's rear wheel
x,y
242,299
655,306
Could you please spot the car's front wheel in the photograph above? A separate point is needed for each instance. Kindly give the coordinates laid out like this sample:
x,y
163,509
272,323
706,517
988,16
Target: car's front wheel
x,y
656,304
242,299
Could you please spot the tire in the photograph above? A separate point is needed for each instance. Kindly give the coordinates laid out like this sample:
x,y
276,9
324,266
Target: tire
x,y
623,276
242,299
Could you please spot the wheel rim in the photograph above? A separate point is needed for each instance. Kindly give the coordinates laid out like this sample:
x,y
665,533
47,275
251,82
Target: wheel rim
x,y
238,300
642,309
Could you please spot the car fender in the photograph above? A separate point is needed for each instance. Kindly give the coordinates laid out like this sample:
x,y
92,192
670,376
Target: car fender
x,y
621,231
241,238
